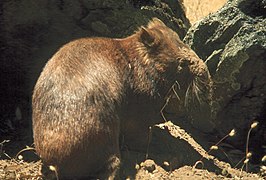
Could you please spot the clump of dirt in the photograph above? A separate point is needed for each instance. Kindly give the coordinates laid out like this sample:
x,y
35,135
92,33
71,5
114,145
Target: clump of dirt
x,y
19,169
150,170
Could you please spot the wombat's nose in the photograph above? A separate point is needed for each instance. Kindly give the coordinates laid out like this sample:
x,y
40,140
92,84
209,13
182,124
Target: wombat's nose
x,y
184,66
198,67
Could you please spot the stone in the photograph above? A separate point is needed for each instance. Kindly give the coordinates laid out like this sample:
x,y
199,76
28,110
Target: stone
x,y
233,43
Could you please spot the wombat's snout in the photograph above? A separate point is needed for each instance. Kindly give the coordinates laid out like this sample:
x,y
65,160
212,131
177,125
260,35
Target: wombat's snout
x,y
196,79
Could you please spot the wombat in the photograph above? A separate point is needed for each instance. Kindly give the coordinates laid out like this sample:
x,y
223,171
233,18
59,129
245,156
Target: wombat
x,y
95,90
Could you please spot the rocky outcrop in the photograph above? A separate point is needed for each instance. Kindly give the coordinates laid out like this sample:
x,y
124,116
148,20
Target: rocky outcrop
x,y
31,31
232,41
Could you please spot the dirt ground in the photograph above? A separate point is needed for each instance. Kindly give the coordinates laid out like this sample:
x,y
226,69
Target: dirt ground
x,y
18,168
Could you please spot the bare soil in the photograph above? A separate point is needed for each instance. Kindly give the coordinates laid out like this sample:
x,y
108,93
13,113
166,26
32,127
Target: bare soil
x,y
17,168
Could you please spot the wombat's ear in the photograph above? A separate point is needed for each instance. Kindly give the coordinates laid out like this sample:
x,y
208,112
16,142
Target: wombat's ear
x,y
158,21
147,37
155,22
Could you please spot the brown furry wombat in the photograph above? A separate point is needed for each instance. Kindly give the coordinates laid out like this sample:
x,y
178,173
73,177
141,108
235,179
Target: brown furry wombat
x,y
94,90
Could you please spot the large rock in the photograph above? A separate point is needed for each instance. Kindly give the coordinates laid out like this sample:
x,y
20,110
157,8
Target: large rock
x,y
233,43
31,31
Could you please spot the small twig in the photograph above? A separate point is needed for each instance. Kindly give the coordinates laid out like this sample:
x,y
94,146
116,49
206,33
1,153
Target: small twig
x,y
175,93
232,133
168,97
239,162
161,111
149,141
52,168
253,125
7,155
23,150
230,160
198,162
1,146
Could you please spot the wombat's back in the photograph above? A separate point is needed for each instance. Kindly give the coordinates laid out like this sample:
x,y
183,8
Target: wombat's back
x,y
72,98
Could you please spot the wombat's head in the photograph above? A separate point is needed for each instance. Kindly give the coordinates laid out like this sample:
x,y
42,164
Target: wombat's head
x,y
175,61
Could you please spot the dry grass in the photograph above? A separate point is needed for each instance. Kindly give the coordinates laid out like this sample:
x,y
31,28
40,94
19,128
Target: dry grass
x,y
197,9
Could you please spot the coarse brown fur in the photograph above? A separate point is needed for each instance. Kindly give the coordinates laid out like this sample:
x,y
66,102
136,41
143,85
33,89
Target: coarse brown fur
x,y
94,90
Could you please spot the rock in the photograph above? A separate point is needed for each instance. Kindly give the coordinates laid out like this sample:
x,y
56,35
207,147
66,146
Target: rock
x,y
149,165
233,43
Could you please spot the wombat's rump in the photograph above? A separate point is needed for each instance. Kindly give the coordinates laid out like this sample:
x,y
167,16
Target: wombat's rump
x,y
87,96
